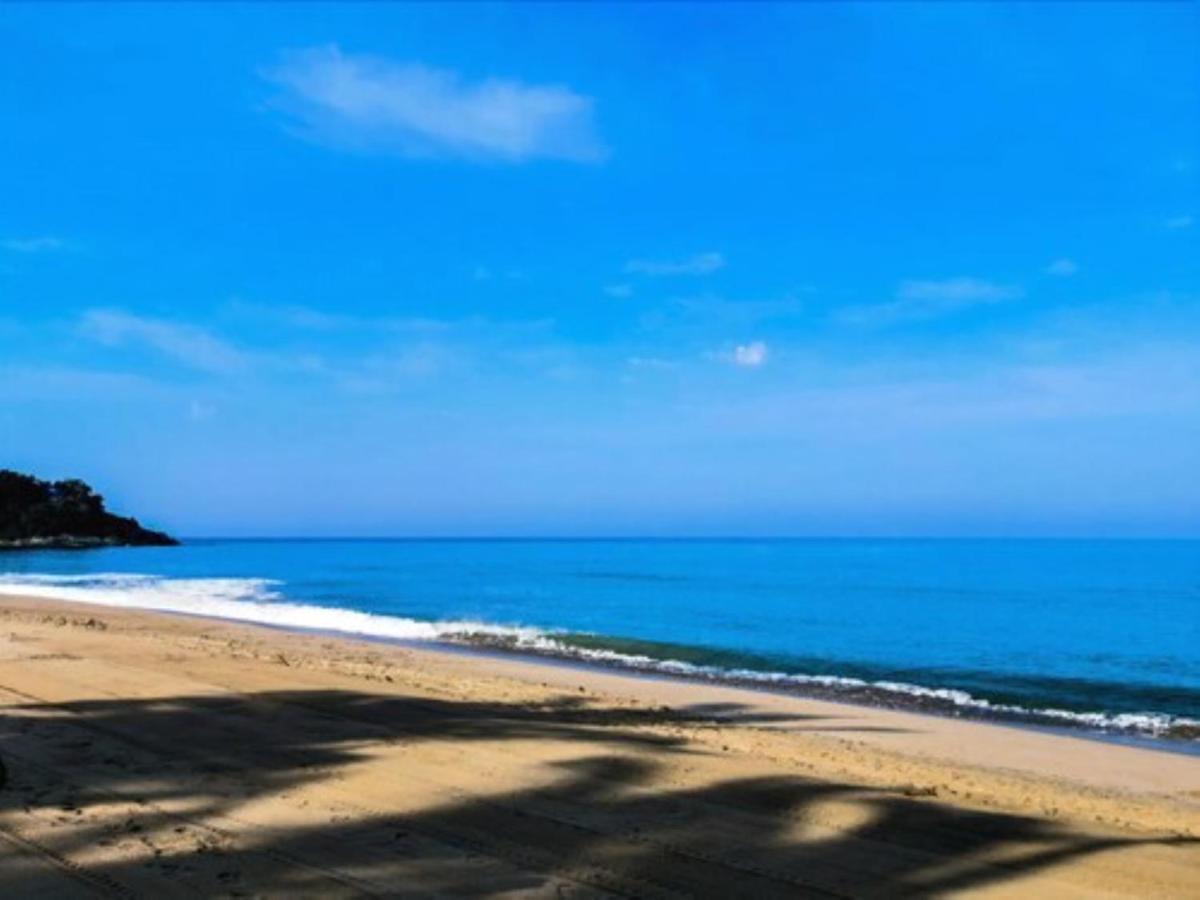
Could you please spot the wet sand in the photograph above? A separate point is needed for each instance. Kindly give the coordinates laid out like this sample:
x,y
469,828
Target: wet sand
x,y
159,756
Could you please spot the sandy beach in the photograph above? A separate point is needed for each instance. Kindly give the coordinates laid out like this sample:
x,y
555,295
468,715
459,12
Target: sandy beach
x,y
159,756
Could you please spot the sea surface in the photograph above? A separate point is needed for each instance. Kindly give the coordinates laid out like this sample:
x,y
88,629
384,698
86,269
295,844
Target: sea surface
x,y
1100,635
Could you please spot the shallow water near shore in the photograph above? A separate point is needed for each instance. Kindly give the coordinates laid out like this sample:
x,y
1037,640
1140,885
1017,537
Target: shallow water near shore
x,y
1102,635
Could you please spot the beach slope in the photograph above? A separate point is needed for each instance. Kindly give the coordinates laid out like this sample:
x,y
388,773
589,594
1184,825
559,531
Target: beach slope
x,y
160,756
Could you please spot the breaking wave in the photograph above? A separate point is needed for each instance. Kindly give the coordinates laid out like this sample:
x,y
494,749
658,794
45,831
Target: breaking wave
x,y
260,601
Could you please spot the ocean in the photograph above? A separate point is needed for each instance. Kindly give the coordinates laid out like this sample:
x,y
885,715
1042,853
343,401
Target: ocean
x,y
1098,635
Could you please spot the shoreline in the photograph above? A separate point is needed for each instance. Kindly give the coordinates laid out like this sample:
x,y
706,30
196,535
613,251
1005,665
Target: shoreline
x,y
1159,730
1182,738
149,751
533,666
1187,747
1183,746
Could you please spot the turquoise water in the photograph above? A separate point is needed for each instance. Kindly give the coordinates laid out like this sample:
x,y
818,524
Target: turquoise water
x,y
1102,634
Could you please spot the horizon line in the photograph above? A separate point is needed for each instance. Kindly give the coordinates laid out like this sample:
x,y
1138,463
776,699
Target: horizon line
x,y
686,538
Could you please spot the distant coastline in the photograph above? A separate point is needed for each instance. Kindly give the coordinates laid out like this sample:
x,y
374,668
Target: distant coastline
x,y
64,515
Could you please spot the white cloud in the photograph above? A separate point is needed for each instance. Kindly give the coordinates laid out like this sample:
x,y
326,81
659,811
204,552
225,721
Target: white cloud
x,y
700,264
749,356
187,344
33,244
916,300
1062,267
620,291
1178,222
374,103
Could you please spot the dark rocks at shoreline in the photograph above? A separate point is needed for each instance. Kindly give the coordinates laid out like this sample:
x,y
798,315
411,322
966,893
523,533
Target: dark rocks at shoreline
x,y
83,542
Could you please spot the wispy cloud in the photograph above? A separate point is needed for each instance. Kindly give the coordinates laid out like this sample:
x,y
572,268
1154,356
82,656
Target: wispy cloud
x,y
421,360
286,315
33,244
315,319
373,103
956,292
620,291
185,343
650,362
1152,379
1062,267
404,349
700,264
917,300
1177,222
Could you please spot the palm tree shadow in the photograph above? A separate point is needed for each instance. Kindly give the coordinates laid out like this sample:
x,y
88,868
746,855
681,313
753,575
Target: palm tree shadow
x,y
603,823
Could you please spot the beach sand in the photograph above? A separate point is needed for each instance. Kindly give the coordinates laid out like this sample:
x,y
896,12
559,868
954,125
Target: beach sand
x,y
159,756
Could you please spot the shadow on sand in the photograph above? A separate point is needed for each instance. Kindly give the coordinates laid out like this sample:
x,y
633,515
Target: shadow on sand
x,y
181,777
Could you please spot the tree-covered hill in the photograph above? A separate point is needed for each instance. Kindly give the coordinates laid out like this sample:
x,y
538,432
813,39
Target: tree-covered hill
x,y
36,513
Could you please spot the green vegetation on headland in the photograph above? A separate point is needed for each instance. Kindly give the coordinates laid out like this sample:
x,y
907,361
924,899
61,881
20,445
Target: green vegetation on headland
x,y
64,514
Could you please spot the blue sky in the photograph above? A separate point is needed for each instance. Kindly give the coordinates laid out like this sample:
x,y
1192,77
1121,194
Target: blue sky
x,y
468,269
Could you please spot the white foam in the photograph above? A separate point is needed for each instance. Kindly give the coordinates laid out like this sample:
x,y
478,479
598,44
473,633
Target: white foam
x,y
242,600
1151,723
257,600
